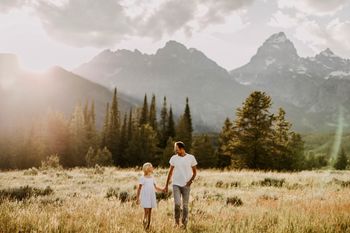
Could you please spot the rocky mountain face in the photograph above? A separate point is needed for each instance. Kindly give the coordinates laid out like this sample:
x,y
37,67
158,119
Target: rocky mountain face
x,y
319,85
173,71
25,96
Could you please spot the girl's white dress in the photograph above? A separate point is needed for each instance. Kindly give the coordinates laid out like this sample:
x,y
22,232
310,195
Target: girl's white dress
x,y
148,192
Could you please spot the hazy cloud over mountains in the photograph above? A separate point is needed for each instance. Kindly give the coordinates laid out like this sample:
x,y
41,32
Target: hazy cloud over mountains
x,y
227,30
104,23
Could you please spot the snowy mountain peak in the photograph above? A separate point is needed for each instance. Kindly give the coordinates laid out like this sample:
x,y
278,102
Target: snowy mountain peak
x,y
327,53
277,38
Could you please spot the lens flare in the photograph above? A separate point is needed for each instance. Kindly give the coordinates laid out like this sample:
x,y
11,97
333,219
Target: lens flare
x,y
338,134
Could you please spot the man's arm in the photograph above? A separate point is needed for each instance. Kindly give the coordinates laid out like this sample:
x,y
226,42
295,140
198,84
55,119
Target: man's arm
x,y
170,173
194,173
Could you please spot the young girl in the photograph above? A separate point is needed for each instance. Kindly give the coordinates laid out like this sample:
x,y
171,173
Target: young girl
x,y
147,188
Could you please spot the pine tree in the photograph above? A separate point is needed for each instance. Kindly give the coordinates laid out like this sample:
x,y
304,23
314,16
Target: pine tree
x,y
130,126
113,131
153,114
253,132
342,160
104,157
90,125
134,148
163,125
184,129
167,153
144,112
295,149
78,136
58,138
90,157
282,156
148,138
105,128
223,152
86,112
171,132
123,141
204,152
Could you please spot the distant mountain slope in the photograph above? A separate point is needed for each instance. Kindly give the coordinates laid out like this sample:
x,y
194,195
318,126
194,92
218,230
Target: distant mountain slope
x,y
26,96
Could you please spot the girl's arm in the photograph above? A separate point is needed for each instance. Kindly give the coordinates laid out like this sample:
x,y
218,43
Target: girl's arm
x,y
158,188
138,193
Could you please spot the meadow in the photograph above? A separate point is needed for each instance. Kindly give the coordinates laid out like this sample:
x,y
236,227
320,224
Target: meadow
x,y
101,199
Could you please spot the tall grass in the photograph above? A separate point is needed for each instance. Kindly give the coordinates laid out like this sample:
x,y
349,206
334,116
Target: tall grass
x,y
82,200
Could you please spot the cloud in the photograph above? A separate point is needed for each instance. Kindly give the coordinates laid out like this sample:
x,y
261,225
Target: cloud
x,y
82,23
334,35
282,20
85,22
218,10
169,18
314,7
8,5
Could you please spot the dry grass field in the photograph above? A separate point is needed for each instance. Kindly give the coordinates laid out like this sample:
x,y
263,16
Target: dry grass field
x,y
101,200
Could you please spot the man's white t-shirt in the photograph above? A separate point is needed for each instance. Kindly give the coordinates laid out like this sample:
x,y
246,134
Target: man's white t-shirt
x,y
182,168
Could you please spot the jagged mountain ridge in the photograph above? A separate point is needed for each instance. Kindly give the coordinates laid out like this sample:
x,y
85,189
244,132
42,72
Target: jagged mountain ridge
x,y
173,71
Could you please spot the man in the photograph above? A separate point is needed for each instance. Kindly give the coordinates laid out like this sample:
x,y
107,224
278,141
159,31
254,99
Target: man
x,y
183,166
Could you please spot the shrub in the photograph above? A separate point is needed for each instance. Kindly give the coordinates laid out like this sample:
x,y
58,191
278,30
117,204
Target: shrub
x,y
112,192
163,195
124,196
51,162
235,201
345,184
219,184
272,182
31,172
23,193
98,169
268,197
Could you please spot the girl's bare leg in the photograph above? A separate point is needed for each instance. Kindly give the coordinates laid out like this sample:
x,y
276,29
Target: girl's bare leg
x,y
145,217
149,217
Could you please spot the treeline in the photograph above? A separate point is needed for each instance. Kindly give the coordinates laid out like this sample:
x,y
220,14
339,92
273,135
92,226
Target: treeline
x,y
255,139
125,140
259,139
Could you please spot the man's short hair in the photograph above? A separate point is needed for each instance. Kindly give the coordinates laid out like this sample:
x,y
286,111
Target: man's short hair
x,y
180,145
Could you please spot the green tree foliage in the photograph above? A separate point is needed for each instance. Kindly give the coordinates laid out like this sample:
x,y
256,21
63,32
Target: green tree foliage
x,y
123,141
58,138
223,152
204,152
144,118
104,133
342,161
100,157
153,114
113,132
167,153
253,132
78,137
262,141
171,132
163,125
184,129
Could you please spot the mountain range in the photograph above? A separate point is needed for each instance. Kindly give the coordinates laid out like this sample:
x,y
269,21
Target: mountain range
x,y
314,91
311,89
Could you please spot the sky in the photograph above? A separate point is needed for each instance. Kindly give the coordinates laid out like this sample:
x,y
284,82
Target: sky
x,y
67,33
